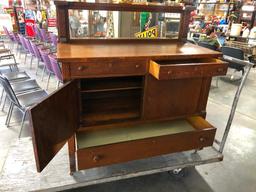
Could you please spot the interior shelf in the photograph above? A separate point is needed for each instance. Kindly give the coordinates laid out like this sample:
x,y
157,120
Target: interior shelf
x,y
111,84
96,118
110,100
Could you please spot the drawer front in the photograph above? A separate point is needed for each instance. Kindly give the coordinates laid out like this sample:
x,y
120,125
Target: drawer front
x,y
144,148
106,69
211,68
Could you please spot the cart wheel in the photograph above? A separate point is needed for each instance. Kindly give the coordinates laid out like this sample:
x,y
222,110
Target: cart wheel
x,y
178,173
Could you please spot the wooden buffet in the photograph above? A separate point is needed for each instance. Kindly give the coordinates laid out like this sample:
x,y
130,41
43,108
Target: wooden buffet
x,y
124,101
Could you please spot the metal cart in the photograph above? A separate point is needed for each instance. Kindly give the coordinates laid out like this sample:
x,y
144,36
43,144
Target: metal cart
x,y
174,163
27,179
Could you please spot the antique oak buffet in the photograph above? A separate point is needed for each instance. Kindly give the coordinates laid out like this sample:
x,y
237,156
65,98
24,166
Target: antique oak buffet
x,y
125,99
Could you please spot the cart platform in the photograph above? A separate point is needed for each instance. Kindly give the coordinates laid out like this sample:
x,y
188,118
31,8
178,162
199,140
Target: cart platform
x,y
19,171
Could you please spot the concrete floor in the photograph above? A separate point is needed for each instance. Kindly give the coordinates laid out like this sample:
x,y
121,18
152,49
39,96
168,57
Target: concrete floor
x,y
236,173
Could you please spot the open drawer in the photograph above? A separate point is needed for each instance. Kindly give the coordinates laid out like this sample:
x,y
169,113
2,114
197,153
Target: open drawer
x,y
120,144
190,68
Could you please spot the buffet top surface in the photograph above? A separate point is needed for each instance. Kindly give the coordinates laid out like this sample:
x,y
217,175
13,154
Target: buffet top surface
x,y
155,51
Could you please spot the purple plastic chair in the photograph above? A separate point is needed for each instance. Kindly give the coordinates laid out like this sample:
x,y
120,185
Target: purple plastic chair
x,y
17,40
47,65
30,49
37,54
9,34
44,35
57,70
54,39
38,33
35,30
24,46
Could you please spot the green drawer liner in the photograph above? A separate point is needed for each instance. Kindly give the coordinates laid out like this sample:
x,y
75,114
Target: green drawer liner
x,y
130,133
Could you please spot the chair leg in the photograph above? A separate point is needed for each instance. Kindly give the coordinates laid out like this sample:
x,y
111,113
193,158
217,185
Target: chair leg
x,y
58,84
42,78
17,48
10,68
37,67
217,81
4,103
22,122
8,115
14,59
48,80
8,122
1,96
242,71
25,58
32,56
19,53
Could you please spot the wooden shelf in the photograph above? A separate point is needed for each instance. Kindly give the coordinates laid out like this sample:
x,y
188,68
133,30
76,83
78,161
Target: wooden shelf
x,y
111,116
111,84
110,89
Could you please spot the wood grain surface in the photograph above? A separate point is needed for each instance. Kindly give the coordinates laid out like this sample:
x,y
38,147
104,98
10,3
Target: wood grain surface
x,y
123,51
54,121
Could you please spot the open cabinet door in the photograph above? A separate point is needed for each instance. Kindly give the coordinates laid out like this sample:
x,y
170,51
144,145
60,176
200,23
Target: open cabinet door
x,y
54,120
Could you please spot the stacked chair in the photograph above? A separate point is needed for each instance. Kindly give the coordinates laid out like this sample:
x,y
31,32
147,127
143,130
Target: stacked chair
x,y
19,89
21,98
47,65
33,47
56,69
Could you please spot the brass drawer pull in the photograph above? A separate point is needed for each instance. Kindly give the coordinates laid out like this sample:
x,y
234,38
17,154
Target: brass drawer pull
x,y
220,69
169,72
137,66
202,139
81,68
96,158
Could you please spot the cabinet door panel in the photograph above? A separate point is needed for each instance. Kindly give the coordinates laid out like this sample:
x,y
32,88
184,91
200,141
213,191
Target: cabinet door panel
x,y
171,98
54,120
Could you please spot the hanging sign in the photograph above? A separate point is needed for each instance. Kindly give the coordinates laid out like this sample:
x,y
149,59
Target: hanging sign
x,y
152,32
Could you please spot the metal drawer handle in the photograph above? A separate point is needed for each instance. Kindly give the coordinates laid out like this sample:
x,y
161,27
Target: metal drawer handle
x,y
137,66
96,158
169,72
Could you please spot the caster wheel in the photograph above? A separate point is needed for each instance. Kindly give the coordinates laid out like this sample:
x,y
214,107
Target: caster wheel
x,y
179,173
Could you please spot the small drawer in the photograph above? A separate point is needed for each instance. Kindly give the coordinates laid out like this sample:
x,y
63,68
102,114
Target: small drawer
x,y
108,68
122,144
205,67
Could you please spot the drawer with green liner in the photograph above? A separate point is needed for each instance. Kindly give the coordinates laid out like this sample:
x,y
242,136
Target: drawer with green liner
x,y
120,144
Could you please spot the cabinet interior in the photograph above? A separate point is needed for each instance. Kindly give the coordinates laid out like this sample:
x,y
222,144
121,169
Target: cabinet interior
x,y
110,100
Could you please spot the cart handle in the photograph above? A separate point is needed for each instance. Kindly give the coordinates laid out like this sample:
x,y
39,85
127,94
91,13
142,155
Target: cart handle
x,y
238,61
236,98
